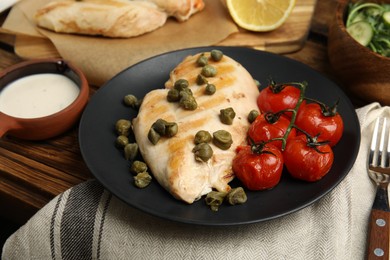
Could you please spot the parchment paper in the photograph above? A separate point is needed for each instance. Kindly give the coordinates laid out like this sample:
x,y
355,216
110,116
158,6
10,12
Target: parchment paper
x,y
102,58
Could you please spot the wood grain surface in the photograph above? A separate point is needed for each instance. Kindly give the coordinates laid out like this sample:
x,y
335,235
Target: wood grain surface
x,y
378,235
290,37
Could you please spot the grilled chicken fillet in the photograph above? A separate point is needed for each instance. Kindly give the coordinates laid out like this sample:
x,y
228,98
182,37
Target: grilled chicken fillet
x,y
113,18
109,18
171,160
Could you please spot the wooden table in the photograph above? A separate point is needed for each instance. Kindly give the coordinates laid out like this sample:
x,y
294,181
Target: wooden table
x,y
32,173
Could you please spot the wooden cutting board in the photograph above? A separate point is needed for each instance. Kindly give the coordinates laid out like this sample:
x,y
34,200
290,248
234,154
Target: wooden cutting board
x,y
288,38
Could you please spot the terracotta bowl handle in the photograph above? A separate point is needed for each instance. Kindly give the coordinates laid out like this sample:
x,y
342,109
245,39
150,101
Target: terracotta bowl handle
x,y
6,124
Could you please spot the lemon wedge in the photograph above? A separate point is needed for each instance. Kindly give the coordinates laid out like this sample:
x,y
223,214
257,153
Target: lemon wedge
x,y
260,15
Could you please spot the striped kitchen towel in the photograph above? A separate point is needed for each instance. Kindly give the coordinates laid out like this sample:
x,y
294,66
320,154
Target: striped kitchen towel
x,y
88,222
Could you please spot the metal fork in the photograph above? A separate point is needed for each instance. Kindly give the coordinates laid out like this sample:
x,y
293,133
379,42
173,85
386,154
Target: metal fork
x,y
379,171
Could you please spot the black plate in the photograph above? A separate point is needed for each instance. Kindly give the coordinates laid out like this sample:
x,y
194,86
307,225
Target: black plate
x,y
107,164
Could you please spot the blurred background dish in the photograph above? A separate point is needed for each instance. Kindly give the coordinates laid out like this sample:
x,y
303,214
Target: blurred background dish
x,y
364,74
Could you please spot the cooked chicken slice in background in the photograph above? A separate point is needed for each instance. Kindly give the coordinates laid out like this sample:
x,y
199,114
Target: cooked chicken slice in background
x,y
112,18
180,9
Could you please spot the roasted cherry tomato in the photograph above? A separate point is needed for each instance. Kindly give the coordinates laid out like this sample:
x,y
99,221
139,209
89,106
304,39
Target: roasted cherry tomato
x,y
306,159
317,119
275,98
258,169
268,126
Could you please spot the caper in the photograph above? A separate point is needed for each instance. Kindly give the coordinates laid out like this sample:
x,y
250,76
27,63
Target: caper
x,y
173,95
123,127
209,71
214,199
253,115
227,115
142,179
188,102
186,91
216,55
159,126
181,84
131,151
202,60
203,152
162,128
202,136
171,129
210,89
200,79
153,136
130,100
138,167
122,141
236,196
222,139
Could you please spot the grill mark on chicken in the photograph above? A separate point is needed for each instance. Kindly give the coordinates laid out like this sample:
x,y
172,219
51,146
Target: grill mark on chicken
x,y
190,70
157,107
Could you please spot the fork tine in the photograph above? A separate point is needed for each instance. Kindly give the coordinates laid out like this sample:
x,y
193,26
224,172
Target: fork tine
x,y
387,154
381,157
374,143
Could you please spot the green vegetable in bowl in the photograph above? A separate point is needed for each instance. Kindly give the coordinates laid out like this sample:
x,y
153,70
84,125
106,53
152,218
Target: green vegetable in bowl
x,y
361,31
369,24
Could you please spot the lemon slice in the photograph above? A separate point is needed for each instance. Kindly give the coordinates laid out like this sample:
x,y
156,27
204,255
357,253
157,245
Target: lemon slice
x,y
260,15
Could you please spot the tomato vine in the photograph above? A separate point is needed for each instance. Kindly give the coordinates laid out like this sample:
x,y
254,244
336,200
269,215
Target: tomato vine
x,y
292,130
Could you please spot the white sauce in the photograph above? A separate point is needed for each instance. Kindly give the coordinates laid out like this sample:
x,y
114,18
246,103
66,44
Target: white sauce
x,y
38,95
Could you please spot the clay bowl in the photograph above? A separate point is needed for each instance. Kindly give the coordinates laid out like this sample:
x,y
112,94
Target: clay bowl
x,y
362,72
39,128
